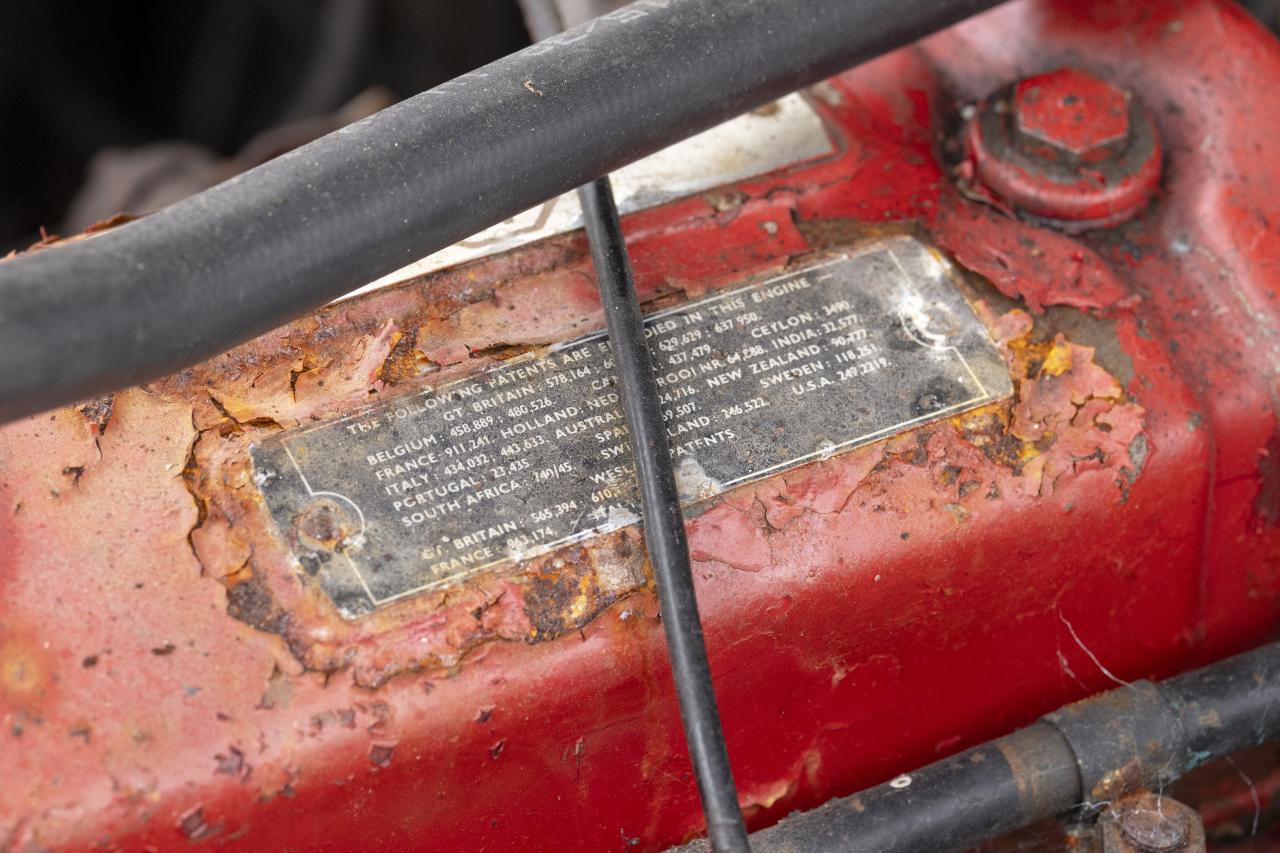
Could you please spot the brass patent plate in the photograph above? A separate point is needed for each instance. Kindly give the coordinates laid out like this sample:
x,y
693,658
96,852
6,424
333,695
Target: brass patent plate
x,y
426,489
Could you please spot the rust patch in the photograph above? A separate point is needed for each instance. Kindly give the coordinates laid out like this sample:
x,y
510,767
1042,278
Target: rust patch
x,y
237,544
1069,415
325,524
24,670
1266,506
341,358
831,233
1039,266
98,412
578,583
405,361
1120,782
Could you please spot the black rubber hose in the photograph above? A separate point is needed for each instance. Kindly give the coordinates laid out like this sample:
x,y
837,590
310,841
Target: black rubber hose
x,y
1137,737
188,282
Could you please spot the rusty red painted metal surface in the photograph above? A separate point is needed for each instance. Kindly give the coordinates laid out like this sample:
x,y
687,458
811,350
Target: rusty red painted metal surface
x,y
1068,114
1065,146
168,681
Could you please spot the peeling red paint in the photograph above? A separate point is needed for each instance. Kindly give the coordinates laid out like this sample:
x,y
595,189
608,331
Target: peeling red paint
x,y
860,611
1033,264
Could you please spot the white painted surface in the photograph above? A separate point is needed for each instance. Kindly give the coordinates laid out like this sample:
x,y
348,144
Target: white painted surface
x,y
787,131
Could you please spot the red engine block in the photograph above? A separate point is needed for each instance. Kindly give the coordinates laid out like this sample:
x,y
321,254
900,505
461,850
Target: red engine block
x,y
168,678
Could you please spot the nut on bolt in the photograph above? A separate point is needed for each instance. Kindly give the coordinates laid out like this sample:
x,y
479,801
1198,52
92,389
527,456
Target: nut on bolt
x,y
1067,147
1149,823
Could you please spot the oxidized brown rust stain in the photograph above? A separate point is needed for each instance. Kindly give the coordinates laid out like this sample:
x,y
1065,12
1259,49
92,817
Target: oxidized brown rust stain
x,y
354,353
350,355
1266,507
564,598
1068,415
26,670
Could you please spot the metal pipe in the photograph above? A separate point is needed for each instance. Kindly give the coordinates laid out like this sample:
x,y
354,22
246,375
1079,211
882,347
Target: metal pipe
x,y
186,283
1137,737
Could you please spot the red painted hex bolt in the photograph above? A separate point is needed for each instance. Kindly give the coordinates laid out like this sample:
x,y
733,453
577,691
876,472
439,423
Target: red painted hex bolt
x,y
1068,116
1066,147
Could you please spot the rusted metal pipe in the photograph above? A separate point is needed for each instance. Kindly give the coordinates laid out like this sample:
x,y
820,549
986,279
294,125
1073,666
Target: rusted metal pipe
x,y
1094,752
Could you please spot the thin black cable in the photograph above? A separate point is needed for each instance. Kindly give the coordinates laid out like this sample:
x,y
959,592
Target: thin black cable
x,y
659,499
224,266
663,522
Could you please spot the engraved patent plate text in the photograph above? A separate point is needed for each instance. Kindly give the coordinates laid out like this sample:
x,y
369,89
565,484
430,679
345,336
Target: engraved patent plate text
x,y
533,454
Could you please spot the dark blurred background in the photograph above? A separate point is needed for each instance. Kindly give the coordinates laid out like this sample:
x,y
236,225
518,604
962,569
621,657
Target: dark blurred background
x,y
107,107
78,79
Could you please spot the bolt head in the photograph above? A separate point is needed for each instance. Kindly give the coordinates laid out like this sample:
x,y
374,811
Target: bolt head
x,y
1159,827
1070,117
324,525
